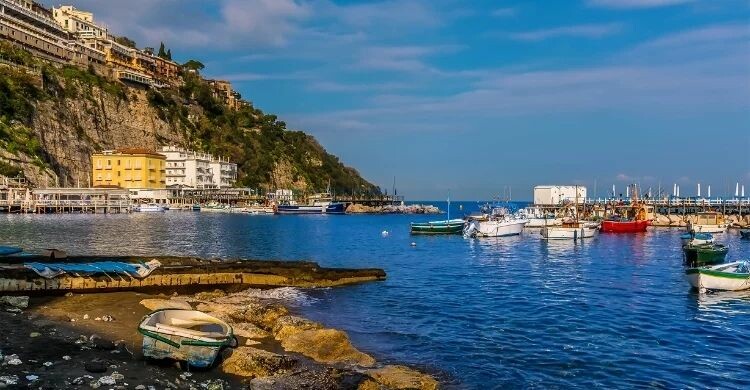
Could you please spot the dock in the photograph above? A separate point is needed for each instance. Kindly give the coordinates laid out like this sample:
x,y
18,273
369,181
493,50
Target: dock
x,y
178,273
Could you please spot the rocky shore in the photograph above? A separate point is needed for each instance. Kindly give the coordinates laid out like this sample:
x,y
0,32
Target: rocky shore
x,y
393,209
676,220
91,341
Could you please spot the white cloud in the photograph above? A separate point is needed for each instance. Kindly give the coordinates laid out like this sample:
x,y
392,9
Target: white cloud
x,y
577,31
636,3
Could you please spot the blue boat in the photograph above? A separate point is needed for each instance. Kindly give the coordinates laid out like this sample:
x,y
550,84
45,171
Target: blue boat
x,y
9,250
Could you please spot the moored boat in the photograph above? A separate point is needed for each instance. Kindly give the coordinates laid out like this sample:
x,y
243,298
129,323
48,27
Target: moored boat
x,y
628,218
616,224
704,254
744,233
726,277
696,238
708,222
450,226
570,231
494,227
149,208
185,335
538,218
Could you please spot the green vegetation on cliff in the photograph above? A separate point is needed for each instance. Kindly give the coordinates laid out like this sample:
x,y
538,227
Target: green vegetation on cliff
x,y
268,155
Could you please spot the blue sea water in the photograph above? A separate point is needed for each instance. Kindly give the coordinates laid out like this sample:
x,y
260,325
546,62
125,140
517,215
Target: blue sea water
x,y
513,312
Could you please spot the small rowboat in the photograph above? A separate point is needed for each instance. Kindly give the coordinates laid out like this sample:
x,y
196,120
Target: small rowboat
x,y
451,226
704,254
727,277
696,238
185,335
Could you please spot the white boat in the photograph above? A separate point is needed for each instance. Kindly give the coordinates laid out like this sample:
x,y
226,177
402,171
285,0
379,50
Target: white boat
x,y
186,335
537,218
570,231
726,277
258,210
149,208
495,227
708,222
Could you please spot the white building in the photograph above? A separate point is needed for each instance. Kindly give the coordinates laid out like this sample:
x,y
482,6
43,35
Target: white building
x,y
189,169
78,22
557,195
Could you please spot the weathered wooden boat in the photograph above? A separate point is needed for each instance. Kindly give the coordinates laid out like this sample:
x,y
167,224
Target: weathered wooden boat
x,y
744,233
696,238
696,255
450,226
708,222
725,277
190,336
9,250
570,231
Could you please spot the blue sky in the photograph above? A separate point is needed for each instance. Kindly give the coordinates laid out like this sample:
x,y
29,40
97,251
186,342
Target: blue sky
x,y
475,96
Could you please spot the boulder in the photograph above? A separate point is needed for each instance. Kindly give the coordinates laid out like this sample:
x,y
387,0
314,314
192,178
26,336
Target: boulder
x,y
400,377
210,295
158,304
16,302
286,326
249,331
253,363
328,346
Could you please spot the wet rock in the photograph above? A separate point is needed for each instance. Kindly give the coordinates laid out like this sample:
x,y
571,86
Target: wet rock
x,y
12,360
252,362
85,316
140,387
34,334
96,366
107,380
400,377
32,378
322,345
158,304
100,343
15,302
9,380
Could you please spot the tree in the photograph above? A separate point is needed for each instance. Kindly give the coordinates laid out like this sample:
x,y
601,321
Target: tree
x,y
125,41
194,65
169,54
149,50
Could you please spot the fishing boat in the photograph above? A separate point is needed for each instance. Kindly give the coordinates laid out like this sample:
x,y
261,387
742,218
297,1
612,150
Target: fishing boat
x,y
632,218
725,277
708,222
498,222
538,218
9,250
316,204
696,238
190,336
149,208
704,254
449,226
744,233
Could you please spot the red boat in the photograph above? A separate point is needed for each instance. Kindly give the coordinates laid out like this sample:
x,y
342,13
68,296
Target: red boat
x,y
617,225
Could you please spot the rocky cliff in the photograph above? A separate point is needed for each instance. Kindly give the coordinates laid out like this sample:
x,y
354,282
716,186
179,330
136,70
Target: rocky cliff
x,y
52,119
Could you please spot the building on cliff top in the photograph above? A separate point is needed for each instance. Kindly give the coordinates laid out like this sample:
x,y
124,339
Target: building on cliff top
x,y
128,168
190,169
32,27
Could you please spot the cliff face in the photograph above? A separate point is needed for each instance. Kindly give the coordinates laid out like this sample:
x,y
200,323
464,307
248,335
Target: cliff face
x,y
52,121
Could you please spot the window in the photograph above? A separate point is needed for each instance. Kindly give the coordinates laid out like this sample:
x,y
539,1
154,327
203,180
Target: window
x,y
99,164
127,164
118,163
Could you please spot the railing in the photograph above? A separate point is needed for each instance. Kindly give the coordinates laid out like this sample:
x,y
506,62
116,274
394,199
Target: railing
x,y
31,14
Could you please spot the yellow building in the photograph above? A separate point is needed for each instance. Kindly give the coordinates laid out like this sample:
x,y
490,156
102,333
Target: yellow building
x,y
128,168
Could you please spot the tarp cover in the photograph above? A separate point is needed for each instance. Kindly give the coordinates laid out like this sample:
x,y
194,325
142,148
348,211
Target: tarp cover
x,y
9,250
52,270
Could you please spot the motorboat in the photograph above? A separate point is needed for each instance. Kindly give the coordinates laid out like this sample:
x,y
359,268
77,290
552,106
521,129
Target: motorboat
x,y
708,222
733,276
538,218
570,231
495,222
185,335
149,208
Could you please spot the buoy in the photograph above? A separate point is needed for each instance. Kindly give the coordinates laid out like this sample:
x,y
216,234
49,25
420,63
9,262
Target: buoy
x,y
384,233
413,244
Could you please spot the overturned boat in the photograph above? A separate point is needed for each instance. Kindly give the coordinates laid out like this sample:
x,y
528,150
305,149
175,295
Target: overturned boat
x,y
725,277
190,336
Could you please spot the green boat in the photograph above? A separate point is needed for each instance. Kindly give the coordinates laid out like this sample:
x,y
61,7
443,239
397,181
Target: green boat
x,y
702,254
450,226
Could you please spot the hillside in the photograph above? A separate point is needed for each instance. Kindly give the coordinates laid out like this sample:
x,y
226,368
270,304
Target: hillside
x,y
53,118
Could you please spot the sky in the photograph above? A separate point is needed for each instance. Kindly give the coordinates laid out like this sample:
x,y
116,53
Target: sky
x,y
473,97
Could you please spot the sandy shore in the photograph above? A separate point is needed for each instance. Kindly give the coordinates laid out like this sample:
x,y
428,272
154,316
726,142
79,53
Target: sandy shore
x,y
61,341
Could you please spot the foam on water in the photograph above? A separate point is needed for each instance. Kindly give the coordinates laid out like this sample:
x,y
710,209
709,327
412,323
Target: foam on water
x,y
289,295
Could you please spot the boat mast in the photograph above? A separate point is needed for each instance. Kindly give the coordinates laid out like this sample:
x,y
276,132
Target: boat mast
x,y
449,205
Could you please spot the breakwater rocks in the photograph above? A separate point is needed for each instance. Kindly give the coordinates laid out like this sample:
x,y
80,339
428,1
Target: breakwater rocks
x,y
65,342
393,209
676,220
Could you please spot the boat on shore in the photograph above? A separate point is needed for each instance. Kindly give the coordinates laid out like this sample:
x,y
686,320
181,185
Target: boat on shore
x,y
190,336
449,226
708,222
704,254
149,208
9,250
724,277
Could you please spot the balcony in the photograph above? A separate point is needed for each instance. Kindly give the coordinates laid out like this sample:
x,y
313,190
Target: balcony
x,y
32,15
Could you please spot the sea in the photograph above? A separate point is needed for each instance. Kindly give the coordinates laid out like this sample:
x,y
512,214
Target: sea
x,y
512,312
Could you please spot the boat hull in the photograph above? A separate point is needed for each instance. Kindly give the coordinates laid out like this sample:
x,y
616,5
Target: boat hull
x,y
568,233
290,209
624,226
455,226
495,228
714,278
336,208
721,228
704,254
536,223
